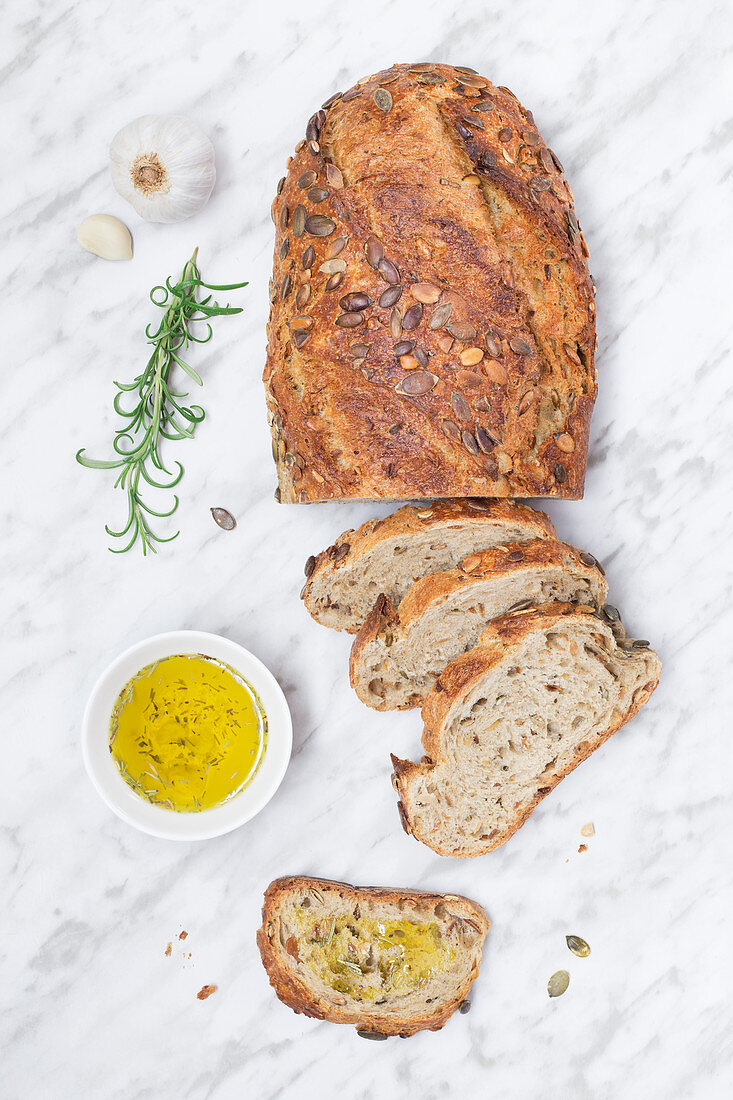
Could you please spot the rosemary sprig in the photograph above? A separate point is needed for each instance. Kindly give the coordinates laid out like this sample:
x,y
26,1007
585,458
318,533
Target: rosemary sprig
x,y
159,411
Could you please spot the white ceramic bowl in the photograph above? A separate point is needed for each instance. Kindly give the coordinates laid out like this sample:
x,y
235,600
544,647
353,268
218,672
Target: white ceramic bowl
x,y
157,820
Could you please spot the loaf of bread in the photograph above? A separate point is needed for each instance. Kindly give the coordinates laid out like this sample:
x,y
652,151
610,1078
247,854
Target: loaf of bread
x,y
508,720
391,962
432,330
386,556
397,655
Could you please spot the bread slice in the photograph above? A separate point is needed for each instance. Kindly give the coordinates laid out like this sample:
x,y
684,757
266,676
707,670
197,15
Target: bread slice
x,y
391,962
388,555
397,655
508,720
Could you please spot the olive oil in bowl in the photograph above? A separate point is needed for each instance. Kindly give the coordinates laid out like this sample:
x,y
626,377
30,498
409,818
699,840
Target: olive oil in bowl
x,y
187,733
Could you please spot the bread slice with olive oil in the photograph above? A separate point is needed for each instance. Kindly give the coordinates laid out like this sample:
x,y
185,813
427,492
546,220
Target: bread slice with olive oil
x,y
390,962
398,654
508,720
385,556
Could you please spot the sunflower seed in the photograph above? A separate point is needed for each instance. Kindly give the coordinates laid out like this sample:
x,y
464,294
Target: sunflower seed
x,y
460,406
388,271
285,289
451,430
462,330
484,440
418,383
304,293
334,176
352,303
440,316
335,247
390,296
299,217
350,320
306,180
561,473
309,257
330,267
610,613
383,100
284,248
521,347
578,946
319,225
335,281
309,567
558,983
224,519
374,250
427,293
395,324
412,317
318,194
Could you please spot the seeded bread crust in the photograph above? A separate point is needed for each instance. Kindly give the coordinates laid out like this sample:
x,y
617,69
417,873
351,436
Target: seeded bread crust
x,y
290,982
432,330
502,642
389,636
361,558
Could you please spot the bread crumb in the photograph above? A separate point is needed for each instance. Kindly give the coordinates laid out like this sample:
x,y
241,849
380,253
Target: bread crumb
x,y
183,936
583,848
168,950
588,830
205,991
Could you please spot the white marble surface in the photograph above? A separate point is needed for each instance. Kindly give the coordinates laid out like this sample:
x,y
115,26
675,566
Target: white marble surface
x,y
634,97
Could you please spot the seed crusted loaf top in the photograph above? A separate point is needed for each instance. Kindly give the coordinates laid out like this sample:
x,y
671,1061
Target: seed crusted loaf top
x,y
508,720
398,654
432,330
386,556
391,962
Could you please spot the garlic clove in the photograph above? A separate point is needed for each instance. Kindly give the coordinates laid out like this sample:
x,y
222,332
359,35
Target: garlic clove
x,y
164,166
105,236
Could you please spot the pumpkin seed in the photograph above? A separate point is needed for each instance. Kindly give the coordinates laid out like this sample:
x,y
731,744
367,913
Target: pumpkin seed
x,y
285,289
464,1007
640,643
308,569
408,362
299,218
561,473
318,194
330,267
540,183
430,78
301,298
280,185
476,123
427,293
587,559
224,519
354,302
335,247
463,131
284,248
497,372
395,323
342,552
484,105
421,356
374,250
462,330
521,605
335,281
578,946
450,429
418,383
284,217
390,296
366,1033
334,176
440,315
610,613
412,317
300,338
309,256
515,555
471,356
521,347
484,440
350,320
404,347
460,406
558,983
565,443
319,225
388,271
469,442
303,321
306,180
383,100
359,351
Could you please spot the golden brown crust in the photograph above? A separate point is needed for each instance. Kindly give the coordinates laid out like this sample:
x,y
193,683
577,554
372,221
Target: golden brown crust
x,y
297,996
454,682
475,259
409,520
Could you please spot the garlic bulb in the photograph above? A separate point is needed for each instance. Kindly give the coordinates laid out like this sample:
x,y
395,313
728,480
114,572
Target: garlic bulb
x,y
105,236
164,166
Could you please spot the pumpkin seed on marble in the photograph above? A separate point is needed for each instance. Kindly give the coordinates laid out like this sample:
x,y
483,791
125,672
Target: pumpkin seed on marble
x,y
578,946
558,983
224,519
